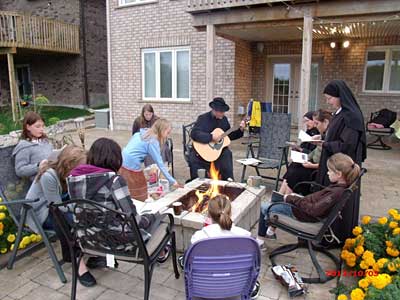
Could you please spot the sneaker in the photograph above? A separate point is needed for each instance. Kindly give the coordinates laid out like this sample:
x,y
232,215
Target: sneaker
x,y
256,291
163,257
96,262
87,279
181,263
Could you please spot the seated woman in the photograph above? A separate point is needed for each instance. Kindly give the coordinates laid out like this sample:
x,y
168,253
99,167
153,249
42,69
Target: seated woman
x,y
220,212
342,171
311,129
33,148
98,180
298,172
141,144
50,186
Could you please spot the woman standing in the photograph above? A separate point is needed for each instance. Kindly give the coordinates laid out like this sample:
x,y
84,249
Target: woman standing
x,y
33,148
346,134
144,143
145,120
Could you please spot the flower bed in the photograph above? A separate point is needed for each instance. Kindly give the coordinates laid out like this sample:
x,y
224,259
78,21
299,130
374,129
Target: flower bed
x,y
8,231
374,253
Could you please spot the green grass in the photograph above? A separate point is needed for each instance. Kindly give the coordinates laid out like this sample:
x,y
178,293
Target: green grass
x,y
63,113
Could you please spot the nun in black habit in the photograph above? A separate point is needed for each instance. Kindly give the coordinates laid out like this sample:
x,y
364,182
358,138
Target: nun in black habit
x,y
345,134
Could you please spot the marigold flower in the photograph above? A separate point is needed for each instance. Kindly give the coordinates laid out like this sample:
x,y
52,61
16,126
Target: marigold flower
x,y
3,207
342,297
11,238
389,243
381,281
364,265
396,231
368,254
393,224
392,212
396,217
359,250
370,261
382,220
381,262
38,238
2,216
351,263
3,250
349,243
363,283
357,294
391,267
357,230
12,247
365,220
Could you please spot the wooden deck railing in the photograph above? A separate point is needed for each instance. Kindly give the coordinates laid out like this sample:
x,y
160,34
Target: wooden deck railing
x,y
32,32
194,6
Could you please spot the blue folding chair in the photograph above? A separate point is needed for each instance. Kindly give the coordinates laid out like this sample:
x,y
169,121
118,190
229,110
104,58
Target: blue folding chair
x,y
220,268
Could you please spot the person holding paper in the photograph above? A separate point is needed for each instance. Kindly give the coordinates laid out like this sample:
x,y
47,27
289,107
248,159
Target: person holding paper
x,y
298,172
345,134
311,130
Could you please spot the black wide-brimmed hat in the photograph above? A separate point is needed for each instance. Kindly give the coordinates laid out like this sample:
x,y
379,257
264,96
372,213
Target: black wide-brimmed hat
x,y
219,104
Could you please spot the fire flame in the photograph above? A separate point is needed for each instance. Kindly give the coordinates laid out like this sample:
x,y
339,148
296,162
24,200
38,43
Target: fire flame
x,y
211,192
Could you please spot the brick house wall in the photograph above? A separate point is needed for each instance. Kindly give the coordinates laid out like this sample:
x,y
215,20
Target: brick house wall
x,y
347,64
163,24
60,77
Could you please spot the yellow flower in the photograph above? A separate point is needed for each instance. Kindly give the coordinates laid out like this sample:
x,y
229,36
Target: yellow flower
x,y
382,220
392,212
11,238
381,281
351,263
368,254
389,243
381,262
12,247
396,217
363,283
393,225
359,240
359,250
3,207
391,267
366,219
342,297
3,250
1,232
392,251
364,265
396,231
2,216
349,243
1,199
370,261
38,238
357,294
26,240
357,230
33,237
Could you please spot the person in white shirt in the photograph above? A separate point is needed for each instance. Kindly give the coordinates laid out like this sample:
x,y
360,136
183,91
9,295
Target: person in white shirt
x,y
220,212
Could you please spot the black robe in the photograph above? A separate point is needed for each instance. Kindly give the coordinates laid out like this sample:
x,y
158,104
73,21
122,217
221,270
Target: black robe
x,y
341,138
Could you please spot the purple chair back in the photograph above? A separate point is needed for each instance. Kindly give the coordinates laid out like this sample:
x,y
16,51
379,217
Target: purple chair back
x,y
219,268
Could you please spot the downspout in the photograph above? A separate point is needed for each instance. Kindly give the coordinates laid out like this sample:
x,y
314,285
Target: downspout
x,y
109,64
83,34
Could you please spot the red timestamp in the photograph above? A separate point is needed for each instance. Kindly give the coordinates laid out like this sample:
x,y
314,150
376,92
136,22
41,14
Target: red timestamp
x,y
344,273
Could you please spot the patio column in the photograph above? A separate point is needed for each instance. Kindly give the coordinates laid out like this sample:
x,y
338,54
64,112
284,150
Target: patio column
x,y
305,74
210,63
13,90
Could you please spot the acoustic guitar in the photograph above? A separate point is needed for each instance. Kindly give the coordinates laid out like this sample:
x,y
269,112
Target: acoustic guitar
x,y
212,150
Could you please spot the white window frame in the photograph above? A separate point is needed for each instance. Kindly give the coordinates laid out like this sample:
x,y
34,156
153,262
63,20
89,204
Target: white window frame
x,y
386,72
122,3
157,52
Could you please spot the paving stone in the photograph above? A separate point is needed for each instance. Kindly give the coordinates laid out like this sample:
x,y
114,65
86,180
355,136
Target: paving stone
x,y
50,279
160,275
10,284
24,290
176,284
118,281
43,292
82,292
157,292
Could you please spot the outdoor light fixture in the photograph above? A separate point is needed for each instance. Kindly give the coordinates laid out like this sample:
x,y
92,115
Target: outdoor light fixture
x,y
346,44
333,45
347,30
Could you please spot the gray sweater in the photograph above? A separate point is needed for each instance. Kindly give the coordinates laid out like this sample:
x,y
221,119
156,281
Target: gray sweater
x,y
27,156
47,189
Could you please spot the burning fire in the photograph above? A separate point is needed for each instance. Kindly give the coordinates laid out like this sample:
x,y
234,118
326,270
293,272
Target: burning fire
x,y
210,193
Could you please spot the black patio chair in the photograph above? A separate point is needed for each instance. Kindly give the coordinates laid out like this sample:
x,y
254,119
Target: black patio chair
x,y
272,148
19,211
98,230
386,118
309,234
187,140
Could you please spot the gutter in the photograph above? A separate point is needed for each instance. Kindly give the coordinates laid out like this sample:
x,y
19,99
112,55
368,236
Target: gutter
x,y
109,64
83,34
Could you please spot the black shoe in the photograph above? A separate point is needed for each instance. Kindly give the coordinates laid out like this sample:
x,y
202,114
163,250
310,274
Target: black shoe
x,y
96,262
87,279
163,258
256,291
181,263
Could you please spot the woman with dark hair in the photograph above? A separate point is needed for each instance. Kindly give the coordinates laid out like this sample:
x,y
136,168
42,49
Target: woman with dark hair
x,y
345,134
33,148
145,120
311,130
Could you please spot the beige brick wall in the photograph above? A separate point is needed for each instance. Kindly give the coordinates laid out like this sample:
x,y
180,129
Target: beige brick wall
x,y
163,24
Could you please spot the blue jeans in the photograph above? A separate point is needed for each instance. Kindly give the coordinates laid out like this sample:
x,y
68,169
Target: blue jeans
x,y
277,208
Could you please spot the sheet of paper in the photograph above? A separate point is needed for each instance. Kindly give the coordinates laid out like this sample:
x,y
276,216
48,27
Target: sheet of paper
x,y
110,259
249,161
298,157
305,137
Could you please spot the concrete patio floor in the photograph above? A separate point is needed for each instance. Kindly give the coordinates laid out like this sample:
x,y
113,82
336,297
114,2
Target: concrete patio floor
x,y
34,277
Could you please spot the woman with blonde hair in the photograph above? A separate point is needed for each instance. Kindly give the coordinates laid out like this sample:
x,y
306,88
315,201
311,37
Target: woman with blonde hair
x,y
144,143
49,186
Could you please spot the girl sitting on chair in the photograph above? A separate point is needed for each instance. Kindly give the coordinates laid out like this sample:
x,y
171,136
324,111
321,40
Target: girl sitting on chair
x,y
342,172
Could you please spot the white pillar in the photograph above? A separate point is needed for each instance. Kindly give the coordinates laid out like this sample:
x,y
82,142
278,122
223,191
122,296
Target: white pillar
x,y
210,63
305,74
13,86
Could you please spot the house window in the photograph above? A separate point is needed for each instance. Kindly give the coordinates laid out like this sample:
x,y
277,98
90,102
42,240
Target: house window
x,y
134,2
166,74
382,70
23,77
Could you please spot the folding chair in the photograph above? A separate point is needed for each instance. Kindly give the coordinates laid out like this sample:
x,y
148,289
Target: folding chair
x,y
187,140
19,211
385,118
272,151
309,234
98,230
220,268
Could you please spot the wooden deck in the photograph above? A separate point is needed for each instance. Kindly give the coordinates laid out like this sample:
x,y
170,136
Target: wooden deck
x,y
195,6
18,30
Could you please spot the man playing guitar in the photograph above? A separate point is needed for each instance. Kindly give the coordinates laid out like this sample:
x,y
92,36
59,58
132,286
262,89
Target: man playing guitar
x,y
203,133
